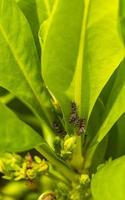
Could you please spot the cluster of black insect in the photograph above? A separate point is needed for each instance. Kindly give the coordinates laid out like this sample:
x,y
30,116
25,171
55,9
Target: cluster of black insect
x,y
58,129
75,120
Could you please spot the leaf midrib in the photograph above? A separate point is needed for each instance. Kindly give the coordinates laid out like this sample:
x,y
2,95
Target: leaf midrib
x,y
79,76
80,59
20,64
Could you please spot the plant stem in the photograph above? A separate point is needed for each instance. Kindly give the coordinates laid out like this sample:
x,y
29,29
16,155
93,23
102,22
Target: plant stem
x,y
54,177
77,158
57,162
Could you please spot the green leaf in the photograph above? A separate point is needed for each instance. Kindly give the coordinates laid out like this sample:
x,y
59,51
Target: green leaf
x,y
15,135
122,18
60,26
36,11
94,121
114,109
51,3
109,181
98,157
115,102
19,63
2,92
115,106
82,43
121,136
92,128
108,88
116,146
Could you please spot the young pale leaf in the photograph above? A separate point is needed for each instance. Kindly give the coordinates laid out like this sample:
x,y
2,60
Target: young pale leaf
x,y
109,181
15,135
82,48
19,64
36,11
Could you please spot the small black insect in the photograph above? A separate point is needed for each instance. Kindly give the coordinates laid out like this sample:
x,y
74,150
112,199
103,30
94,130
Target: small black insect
x,y
73,119
81,126
58,129
73,107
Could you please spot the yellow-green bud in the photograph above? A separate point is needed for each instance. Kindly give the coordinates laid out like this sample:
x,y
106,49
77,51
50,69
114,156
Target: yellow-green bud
x,y
84,179
70,143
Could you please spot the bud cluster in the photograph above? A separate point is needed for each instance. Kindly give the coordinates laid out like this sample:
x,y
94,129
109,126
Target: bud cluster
x,y
14,167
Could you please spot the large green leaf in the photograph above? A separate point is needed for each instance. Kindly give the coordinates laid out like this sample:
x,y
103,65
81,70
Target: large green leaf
x,y
19,63
114,109
109,181
82,48
115,106
15,135
36,11
115,101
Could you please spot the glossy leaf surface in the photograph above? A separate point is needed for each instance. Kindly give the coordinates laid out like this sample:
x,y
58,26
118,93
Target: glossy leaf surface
x,y
109,181
36,11
19,63
82,48
15,135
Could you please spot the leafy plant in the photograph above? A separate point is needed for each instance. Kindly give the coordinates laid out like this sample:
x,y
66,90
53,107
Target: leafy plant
x,y
62,91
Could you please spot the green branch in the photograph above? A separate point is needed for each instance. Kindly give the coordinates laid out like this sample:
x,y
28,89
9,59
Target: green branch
x,y
45,150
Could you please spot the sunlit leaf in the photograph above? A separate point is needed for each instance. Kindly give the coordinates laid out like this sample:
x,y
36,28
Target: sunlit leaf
x,y
82,48
114,109
15,135
109,181
115,106
36,11
19,63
